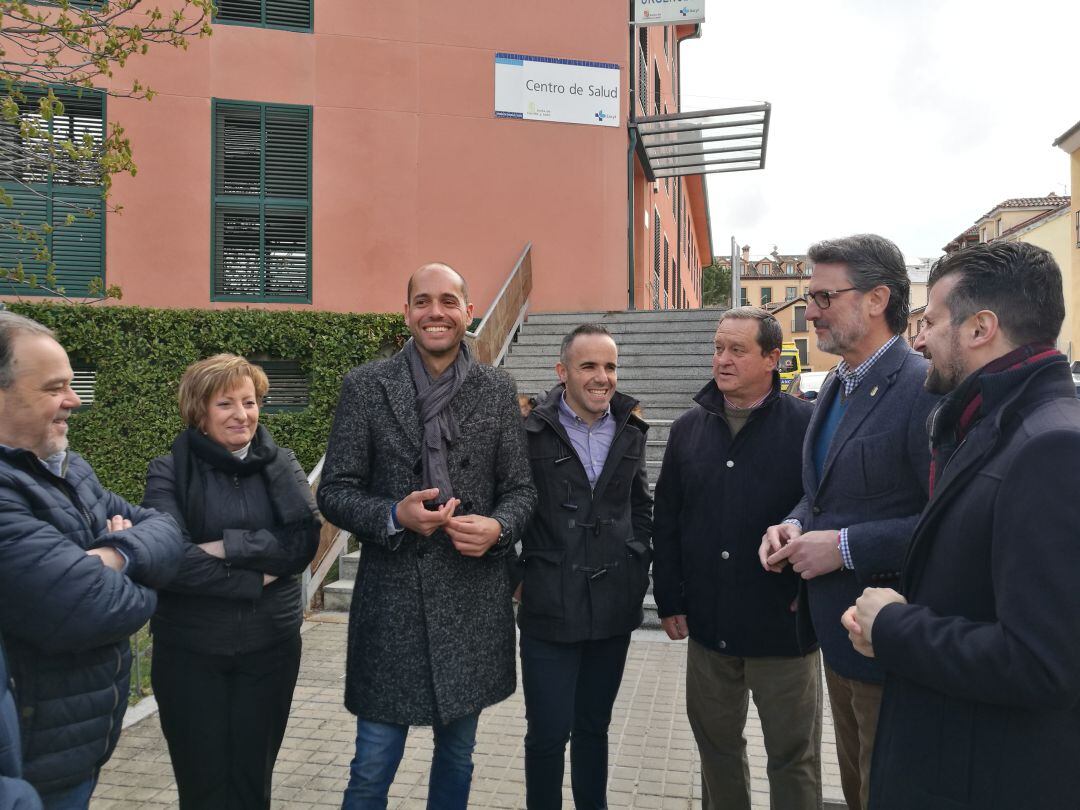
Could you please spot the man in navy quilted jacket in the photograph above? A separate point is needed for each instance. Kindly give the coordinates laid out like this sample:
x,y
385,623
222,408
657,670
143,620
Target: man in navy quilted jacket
x,y
78,569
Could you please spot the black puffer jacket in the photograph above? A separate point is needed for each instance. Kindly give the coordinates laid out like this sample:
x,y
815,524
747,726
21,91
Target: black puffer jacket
x,y
266,515
586,552
15,793
66,618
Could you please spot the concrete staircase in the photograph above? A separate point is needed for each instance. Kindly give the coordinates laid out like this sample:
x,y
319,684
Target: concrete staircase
x,y
664,359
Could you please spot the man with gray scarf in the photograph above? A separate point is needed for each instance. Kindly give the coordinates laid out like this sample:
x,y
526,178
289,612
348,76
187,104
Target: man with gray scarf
x,y
426,464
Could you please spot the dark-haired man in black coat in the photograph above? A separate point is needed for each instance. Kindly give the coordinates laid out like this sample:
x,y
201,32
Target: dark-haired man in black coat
x,y
981,707
15,793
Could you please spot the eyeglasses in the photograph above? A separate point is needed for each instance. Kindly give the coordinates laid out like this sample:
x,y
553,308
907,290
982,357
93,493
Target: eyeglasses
x,y
823,298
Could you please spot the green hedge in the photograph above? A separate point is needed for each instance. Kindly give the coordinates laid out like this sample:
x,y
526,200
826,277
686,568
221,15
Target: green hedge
x,y
139,355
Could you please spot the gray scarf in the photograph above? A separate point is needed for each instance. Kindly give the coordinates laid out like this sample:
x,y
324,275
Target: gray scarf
x,y
440,427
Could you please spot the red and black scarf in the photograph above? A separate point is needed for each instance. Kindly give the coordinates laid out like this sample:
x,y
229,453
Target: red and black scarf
x,y
961,410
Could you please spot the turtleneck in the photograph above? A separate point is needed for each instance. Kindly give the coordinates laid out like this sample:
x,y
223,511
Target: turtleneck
x,y
242,453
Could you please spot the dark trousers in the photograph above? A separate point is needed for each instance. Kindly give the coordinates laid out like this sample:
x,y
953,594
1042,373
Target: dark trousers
x,y
569,692
224,718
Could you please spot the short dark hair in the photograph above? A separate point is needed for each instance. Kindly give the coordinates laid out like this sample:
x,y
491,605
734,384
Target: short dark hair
x,y
1018,282
445,266
584,329
10,326
872,261
770,336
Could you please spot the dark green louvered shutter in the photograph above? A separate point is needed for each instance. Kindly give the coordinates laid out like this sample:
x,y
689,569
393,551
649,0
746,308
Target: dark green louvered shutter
x,y
53,189
290,387
262,202
270,13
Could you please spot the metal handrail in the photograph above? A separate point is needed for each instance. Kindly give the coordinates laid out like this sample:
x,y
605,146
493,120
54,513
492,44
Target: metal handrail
x,y
333,546
506,313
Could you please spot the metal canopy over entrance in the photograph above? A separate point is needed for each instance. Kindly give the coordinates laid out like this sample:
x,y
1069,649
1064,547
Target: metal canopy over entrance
x,y
732,139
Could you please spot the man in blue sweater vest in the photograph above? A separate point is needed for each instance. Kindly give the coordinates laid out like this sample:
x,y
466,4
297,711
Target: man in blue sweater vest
x,y
865,469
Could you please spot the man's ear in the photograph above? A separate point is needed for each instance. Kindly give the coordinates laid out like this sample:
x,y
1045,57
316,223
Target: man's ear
x,y
560,369
984,328
879,299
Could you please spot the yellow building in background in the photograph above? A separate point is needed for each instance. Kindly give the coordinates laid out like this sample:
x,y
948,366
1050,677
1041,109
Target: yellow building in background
x,y
1069,142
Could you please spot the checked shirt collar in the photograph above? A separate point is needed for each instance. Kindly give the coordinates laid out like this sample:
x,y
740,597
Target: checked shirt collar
x,y
851,378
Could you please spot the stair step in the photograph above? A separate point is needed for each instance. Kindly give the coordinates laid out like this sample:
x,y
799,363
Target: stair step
x,y
337,596
572,319
550,351
349,564
624,333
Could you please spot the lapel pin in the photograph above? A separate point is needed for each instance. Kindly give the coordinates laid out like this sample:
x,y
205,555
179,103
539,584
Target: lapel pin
x,y
873,391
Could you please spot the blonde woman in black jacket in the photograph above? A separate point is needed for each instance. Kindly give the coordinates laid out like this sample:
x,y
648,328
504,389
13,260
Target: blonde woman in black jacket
x,y
227,630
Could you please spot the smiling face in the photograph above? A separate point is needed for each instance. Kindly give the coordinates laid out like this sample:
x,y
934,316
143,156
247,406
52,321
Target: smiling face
x,y
590,374
740,370
34,409
437,313
939,341
232,416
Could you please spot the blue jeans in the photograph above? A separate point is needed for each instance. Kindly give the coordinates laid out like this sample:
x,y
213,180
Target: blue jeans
x,y
569,693
379,748
76,798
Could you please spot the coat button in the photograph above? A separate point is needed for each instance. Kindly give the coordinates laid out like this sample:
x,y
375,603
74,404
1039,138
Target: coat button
x,y
724,555
816,510
730,463
723,645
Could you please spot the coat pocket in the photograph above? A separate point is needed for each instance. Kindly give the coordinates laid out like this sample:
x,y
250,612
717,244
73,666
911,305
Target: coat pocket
x,y
542,589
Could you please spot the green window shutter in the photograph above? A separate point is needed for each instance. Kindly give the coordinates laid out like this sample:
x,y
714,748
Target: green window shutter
x,y
294,14
51,188
76,248
288,13
290,387
247,12
262,202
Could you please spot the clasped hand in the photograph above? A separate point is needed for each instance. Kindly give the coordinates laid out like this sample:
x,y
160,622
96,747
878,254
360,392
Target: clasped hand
x,y
472,535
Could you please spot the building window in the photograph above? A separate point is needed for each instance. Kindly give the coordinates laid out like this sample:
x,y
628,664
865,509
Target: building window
x,y
804,357
791,293
261,216
292,14
766,295
656,260
800,320
744,298
790,268
643,69
84,378
656,90
1077,216
290,388
54,194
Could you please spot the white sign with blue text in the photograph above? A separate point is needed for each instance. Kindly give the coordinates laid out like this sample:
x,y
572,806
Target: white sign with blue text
x,y
570,91
668,12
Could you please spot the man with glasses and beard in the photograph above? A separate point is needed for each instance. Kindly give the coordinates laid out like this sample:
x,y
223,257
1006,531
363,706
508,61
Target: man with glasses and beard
x,y
865,466
982,692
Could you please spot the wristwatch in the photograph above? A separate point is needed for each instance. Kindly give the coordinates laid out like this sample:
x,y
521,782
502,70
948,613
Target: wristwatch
x,y
505,535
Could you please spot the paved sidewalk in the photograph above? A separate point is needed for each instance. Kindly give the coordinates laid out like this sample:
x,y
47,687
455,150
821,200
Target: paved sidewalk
x,y
654,761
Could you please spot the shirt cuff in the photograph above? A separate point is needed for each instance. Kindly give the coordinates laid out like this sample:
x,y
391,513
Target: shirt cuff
x,y
391,529
127,560
845,551
794,522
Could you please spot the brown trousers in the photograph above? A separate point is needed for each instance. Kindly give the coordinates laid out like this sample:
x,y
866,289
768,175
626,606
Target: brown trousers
x,y
855,706
787,694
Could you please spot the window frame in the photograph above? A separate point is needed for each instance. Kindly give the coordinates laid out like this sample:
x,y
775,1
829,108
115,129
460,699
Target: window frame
x,y
48,191
260,203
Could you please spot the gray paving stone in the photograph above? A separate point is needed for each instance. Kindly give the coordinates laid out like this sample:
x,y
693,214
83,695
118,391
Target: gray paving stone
x,y
653,758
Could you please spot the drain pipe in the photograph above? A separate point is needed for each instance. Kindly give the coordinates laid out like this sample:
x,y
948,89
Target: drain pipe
x,y
630,218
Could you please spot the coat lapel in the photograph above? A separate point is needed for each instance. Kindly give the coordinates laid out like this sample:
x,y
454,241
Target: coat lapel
x,y
401,395
468,397
870,392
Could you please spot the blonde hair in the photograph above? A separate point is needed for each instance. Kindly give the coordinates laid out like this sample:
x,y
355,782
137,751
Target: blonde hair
x,y
204,379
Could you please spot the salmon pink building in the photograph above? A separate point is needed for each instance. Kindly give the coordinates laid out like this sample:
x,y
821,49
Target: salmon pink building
x,y
312,153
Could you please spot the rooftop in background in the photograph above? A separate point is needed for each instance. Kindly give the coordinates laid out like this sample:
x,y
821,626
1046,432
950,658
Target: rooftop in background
x,y
1007,218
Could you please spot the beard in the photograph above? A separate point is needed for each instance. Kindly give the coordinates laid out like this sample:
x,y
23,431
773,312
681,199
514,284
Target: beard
x,y
945,374
842,336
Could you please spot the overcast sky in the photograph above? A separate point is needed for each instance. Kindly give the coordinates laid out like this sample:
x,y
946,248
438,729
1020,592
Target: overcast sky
x,y
908,118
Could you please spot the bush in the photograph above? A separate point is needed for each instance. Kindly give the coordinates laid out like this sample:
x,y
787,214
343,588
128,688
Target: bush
x,y
139,355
